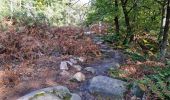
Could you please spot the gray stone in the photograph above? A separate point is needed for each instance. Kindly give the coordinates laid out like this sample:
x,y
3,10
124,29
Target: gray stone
x,y
117,65
21,29
45,96
79,76
75,97
81,59
59,91
99,42
90,69
87,33
70,63
77,67
106,86
2,49
73,61
136,91
63,65
52,93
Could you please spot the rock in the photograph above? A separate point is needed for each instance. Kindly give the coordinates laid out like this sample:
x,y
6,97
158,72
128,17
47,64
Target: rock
x,y
117,65
81,59
106,86
59,91
21,29
79,77
99,42
63,65
46,96
65,73
2,49
118,56
52,93
87,33
90,69
134,98
77,67
75,97
70,63
73,61
136,91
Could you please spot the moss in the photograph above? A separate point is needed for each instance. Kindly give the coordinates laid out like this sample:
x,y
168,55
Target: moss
x,y
62,94
37,95
67,96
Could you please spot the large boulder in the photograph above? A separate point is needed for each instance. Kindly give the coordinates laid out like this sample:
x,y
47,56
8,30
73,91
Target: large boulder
x,y
51,93
106,86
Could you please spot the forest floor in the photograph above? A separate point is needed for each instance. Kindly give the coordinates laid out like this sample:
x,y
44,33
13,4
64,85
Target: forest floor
x,y
30,59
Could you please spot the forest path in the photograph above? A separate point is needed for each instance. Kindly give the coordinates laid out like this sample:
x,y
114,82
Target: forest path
x,y
48,75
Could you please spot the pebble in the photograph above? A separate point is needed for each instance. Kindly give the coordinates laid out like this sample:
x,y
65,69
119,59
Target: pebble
x,y
63,65
79,76
73,61
90,69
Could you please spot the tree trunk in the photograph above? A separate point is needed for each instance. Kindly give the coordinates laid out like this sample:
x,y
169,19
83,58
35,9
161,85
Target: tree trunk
x,y
127,21
160,35
163,45
116,18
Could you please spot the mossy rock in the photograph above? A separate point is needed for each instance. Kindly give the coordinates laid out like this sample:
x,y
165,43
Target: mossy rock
x,y
52,93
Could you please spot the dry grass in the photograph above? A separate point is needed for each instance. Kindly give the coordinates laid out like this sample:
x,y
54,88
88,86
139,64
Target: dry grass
x,y
27,55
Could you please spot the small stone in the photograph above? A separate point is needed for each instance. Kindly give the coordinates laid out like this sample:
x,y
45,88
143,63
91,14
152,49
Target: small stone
x,y
90,69
137,91
77,67
81,59
138,63
2,49
87,33
79,77
21,29
99,42
117,65
75,97
63,65
134,98
73,61
70,63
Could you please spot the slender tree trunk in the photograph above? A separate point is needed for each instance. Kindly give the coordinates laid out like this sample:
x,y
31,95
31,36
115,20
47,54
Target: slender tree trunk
x,y
116,17
163,45
11,9
127,21
160,35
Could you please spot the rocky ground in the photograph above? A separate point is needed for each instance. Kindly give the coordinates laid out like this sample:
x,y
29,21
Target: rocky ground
x,y
66,77
92,80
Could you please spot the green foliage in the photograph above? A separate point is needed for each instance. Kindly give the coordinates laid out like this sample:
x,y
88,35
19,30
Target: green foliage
x,y
29,12
35,18
143,16
135,56
102,10
111,38
158,84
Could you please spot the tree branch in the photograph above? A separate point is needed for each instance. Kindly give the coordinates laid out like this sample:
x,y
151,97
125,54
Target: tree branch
x,y
132,7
